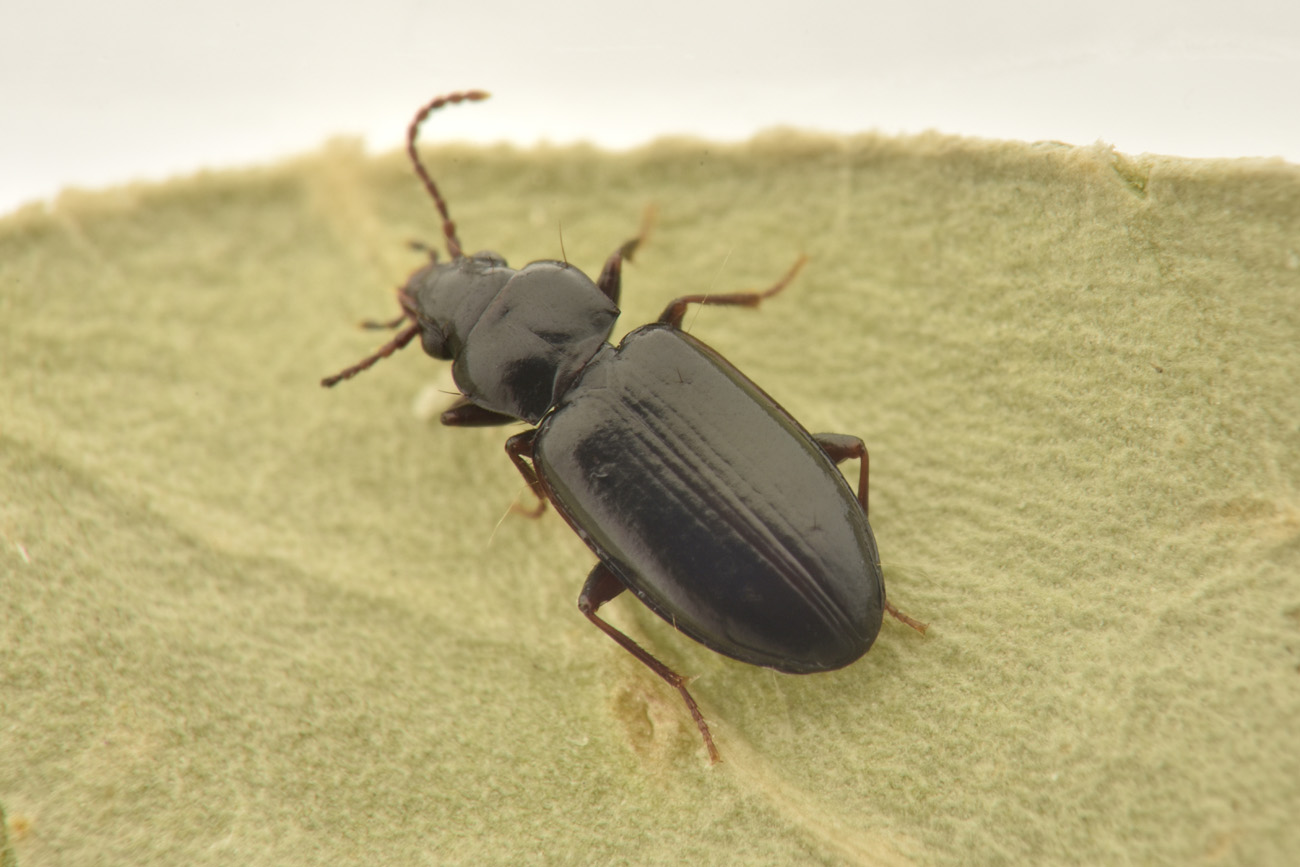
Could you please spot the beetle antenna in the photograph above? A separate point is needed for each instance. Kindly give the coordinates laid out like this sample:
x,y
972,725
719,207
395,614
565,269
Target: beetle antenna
x,y
412,131
405,336
559,228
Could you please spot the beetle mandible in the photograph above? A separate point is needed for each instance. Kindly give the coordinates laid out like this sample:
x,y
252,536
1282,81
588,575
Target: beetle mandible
x,y
693,487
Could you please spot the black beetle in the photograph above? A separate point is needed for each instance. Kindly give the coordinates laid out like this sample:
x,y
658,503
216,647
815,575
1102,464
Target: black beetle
x,y
694,488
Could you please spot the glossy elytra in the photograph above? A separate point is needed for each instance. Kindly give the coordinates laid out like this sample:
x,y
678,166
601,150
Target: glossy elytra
x,y
695,490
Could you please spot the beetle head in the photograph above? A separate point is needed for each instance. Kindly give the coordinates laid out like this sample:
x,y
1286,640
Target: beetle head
x,y
517,339
446,300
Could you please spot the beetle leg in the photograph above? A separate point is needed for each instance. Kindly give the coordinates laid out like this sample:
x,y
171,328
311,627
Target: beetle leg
x,y
903,618
611,276
603,585
841,447
466,414
520,449
674,312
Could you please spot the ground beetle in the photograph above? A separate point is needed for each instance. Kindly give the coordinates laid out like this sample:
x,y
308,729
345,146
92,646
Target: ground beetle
x,y
693,487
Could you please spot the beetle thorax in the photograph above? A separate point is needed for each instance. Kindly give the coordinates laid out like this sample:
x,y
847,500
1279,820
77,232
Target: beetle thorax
x,y
532,329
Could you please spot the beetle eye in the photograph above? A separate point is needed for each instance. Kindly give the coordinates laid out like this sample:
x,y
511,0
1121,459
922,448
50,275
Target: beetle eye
x,y
489,258
434,341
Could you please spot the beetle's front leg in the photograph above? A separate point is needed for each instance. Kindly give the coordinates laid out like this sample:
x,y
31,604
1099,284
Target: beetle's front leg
x,y
463,413
611,276
520,449
840,448
603,585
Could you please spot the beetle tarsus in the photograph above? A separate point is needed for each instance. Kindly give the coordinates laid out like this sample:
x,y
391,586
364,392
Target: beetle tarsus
x,y
910,621
611,276
603,585
675,311
535,512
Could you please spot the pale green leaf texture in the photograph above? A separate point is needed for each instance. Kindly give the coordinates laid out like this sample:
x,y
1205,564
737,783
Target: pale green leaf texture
x,y
246,620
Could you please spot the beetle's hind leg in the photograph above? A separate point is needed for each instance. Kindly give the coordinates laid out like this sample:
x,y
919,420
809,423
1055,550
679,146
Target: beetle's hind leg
x,y
674,312
840,448
603,585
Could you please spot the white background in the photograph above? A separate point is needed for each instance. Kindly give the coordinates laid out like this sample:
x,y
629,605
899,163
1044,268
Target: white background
x,y
97,93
